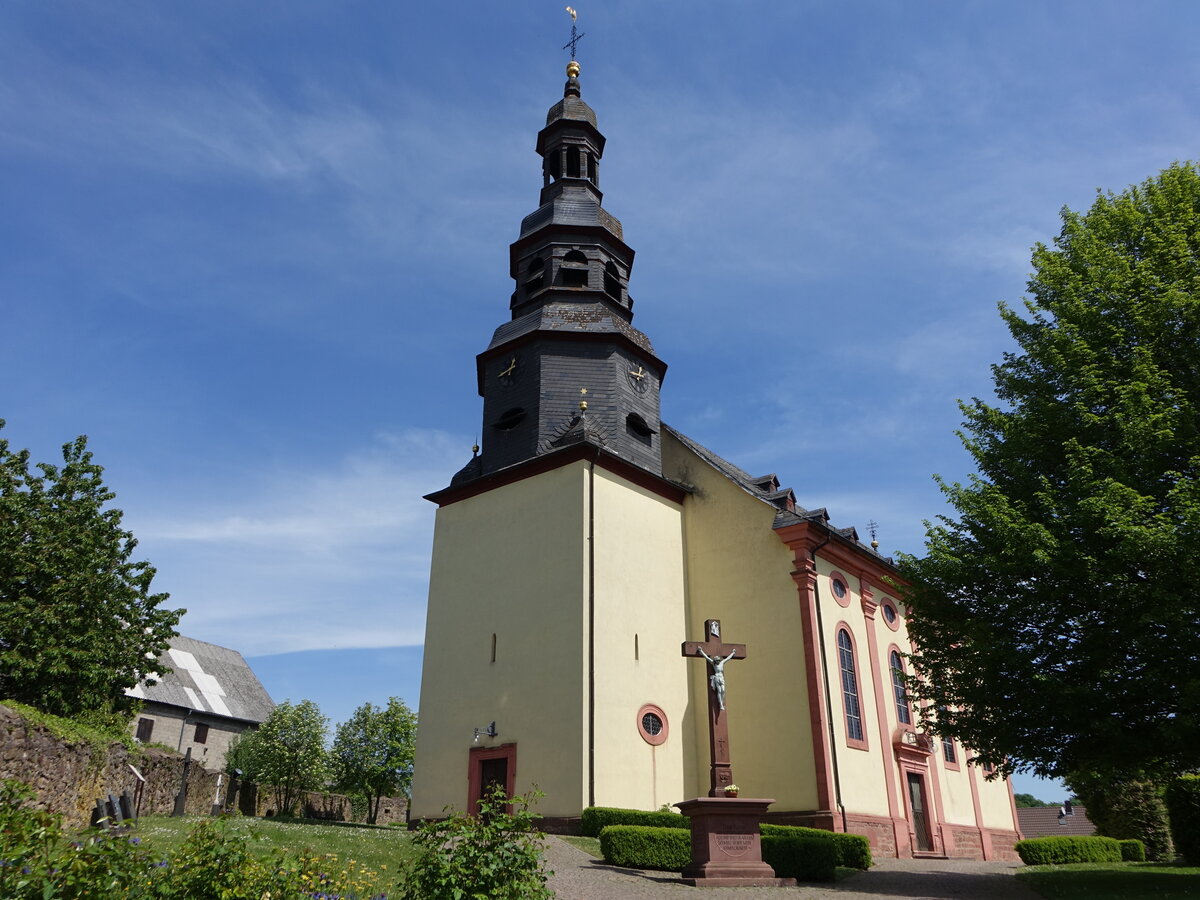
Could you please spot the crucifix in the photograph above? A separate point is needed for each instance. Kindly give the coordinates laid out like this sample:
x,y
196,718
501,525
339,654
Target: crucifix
x,y
716,654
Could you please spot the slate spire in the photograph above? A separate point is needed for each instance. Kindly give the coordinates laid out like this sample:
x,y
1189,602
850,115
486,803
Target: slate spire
x,y
571,334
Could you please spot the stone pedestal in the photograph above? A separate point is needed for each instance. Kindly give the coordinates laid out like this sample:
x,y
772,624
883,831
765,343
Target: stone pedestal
x,y
726,847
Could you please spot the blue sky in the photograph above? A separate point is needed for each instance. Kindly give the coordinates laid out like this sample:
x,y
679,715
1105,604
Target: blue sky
x,y
252,249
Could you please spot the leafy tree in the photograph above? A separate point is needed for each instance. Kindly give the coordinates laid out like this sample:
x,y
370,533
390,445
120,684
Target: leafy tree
x,y
373,752
77,619
1028,801
287,752
1055,616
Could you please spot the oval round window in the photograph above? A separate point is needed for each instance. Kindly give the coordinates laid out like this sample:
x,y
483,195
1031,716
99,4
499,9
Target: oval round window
x,y
890,616
652,724
837,584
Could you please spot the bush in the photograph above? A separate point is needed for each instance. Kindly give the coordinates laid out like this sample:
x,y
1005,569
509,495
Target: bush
x,y
1183,802
1125,805
1133,850
800,856
1057,851
646,847
853,850
496,854
594,818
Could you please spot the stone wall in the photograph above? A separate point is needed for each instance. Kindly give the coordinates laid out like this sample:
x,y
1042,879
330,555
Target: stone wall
x,y
69,778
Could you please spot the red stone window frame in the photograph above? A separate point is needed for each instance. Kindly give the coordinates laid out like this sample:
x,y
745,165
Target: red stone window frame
x,y
950,754
853,715
474,781
654,740
900,698
889,605
836,576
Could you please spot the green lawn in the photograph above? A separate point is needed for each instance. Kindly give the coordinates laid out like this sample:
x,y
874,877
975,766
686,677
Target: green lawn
x,y
1113,881
377,850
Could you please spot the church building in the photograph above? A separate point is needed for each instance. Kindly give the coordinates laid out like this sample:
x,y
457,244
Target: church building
x,y
586,541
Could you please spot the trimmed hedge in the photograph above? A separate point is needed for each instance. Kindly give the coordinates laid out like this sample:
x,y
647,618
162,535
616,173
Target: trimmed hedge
x,y
1057,851
1133,850
594,818
646,847
800,856
853,850
1183,804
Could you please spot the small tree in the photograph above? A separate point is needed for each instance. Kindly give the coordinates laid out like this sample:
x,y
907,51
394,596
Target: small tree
x,y
1123,806
287,752
1055,615
77,619
373,752
497,854
1028,801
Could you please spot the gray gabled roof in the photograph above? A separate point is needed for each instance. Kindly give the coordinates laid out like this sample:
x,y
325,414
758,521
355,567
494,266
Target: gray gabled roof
x,y
206,678
766,488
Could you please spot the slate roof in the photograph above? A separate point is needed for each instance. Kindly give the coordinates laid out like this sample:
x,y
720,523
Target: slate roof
x,y
1043,822
766,488
207,678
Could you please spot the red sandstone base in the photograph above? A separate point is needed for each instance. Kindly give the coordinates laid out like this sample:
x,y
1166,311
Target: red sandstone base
x,y
726,848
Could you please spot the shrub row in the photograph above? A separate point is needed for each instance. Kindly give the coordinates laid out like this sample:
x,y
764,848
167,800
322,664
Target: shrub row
x,y
853,850
646,847
1133,850
594,818
1183,802
800,856
1055,851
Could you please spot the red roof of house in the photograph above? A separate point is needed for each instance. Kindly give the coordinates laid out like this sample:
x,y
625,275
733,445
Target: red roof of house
x,y
1043,822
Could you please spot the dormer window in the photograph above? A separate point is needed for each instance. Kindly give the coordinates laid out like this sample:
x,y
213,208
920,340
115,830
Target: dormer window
x,y
573,272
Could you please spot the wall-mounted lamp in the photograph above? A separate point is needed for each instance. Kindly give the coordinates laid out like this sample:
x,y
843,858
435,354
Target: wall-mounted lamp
x,y
490,731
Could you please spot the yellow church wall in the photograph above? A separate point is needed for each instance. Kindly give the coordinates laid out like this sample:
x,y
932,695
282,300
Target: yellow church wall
x,y
958,807
640,615
863,772
995,804
738,571
509,562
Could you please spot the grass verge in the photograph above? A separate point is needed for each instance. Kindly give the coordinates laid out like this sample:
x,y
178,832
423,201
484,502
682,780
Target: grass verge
x,y
381,849
1113,881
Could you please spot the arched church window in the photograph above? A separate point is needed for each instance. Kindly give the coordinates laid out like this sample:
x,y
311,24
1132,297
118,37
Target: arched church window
x,y
574,269
612,280
855,735
903,713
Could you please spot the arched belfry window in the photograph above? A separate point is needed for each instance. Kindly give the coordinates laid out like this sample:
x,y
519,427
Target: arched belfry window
x,y
574,269
850,701
612,280
903,713
535,275
573,162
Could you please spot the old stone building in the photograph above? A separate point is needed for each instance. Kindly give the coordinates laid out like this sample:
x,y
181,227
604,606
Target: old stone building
x,y
209,696
586,540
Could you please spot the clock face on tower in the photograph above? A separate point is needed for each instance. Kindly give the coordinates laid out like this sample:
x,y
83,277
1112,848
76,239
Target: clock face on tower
x,y
509,371
639,378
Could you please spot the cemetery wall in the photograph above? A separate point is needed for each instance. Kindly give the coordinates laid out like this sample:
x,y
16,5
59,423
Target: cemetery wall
x,y
68,778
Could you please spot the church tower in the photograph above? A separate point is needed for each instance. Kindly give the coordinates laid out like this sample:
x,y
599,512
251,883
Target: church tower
x,y
556,596
569,366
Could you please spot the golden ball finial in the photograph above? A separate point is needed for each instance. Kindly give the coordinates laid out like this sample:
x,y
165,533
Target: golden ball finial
x,y
572,69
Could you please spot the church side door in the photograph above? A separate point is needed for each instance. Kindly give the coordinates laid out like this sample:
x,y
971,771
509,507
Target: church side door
x,y
920,815
490,767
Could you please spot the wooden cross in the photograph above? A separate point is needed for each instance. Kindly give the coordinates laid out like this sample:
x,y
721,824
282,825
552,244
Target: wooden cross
x,y
716,654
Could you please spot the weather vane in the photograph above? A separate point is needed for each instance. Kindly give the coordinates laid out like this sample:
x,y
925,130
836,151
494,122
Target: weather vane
x,y
576,37
873,527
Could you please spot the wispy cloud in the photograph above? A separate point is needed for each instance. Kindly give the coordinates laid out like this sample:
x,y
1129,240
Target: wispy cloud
x,y
304,559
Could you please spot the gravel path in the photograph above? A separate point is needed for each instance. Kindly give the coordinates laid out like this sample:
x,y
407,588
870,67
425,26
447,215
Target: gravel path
x,y
578,876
